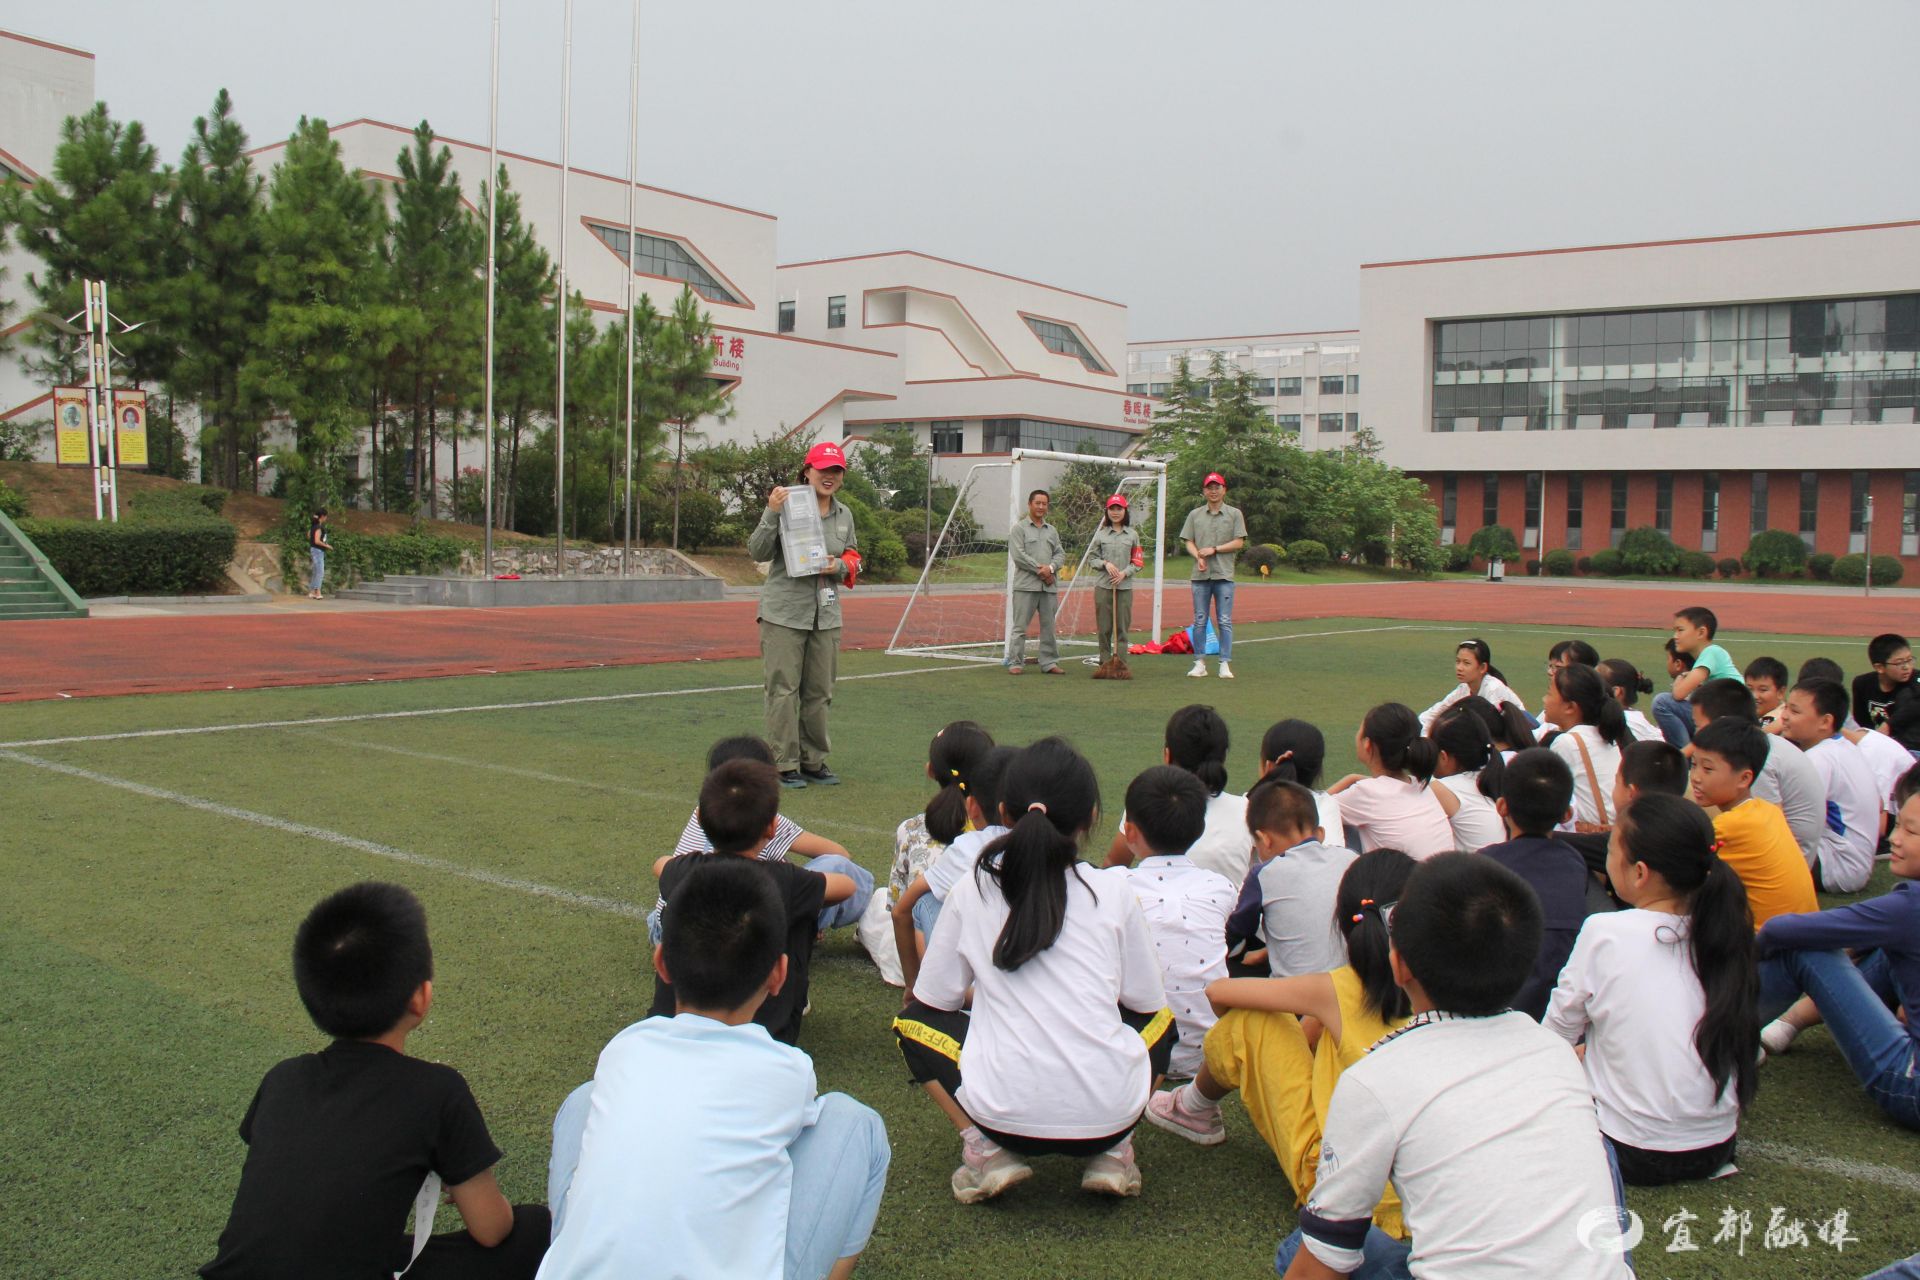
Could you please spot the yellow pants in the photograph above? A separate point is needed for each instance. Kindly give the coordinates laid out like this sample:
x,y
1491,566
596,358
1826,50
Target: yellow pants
x,y
1265,1056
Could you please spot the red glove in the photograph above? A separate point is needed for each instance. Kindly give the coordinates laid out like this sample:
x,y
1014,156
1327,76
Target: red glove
x,y
851,558
1139,558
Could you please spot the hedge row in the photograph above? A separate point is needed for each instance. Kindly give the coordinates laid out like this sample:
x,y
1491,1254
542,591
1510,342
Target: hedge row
x,y
357,557
136,557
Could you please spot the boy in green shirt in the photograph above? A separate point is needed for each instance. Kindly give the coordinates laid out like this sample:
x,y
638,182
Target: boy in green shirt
x,y
1693,642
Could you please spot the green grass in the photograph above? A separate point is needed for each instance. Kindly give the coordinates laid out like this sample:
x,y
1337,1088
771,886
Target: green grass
x,y
144,982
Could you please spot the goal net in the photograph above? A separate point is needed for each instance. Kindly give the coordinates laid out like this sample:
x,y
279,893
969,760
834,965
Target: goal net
x,y
961,608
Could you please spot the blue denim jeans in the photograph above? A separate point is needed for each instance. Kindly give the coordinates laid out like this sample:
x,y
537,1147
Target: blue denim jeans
x,y
1219,594
834,915
1675,718
1906,1269
926,910
1854,1000
317,573
839,1172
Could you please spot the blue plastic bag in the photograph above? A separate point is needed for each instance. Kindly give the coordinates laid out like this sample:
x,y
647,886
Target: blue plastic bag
x,y
1212,646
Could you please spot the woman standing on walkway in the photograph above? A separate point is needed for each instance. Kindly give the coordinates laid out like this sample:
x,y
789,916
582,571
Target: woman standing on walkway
x,y
317,546
800,623
1116,555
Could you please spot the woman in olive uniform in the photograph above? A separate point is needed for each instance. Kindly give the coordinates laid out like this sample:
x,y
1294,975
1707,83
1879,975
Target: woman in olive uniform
x,y
800,625
1115,555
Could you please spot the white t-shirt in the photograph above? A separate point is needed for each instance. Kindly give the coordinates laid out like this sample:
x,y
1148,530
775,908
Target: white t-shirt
x,y
1487,1131
697,1176
1630,989
1186,909
957,861
1046,1054
1606,763
1789,780
1226,846
1476,823
1642,729
1332,820
1393,813
1889,762
1853,815
1492,688
1297,893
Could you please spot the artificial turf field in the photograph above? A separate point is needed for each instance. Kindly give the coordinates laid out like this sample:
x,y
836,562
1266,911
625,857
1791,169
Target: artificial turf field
x,y
155,881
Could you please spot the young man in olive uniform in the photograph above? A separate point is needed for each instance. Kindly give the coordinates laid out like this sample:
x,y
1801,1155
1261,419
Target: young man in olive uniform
x,y
1037,558
1213,533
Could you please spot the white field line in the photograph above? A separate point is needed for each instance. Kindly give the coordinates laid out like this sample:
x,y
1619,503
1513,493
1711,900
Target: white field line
x,y
1815,1162
593,902
583,700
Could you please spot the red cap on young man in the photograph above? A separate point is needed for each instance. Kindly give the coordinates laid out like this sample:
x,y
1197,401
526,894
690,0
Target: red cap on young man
x,y
1214,477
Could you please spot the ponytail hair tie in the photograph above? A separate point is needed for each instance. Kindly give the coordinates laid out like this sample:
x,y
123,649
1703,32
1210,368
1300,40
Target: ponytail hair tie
x,y
954,772
1361,914
1713,850
1037,805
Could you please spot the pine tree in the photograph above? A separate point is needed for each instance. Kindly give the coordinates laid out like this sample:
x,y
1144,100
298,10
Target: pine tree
x,y
680,363
214,308
523,327
1181,415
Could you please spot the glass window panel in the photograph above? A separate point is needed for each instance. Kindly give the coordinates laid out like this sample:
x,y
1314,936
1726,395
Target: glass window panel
x,y
1759,505
1618,325
1641,327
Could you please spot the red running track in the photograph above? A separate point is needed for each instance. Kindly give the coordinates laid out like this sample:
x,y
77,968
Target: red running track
x,y
107,656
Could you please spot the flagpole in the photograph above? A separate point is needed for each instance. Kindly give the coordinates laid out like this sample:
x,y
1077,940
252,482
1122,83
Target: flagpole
x,y
560,379
633,178
493,201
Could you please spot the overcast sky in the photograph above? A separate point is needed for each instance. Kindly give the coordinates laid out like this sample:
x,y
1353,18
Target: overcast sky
x,y
1222,166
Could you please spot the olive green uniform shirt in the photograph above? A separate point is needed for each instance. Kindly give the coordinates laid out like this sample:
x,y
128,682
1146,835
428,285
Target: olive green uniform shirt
x,y
1118,546
1204,529
796,602
1031,546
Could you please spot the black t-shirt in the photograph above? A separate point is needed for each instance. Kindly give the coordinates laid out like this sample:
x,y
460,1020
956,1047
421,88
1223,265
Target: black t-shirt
x,y
1898,709
1558,875
803,893
338,1144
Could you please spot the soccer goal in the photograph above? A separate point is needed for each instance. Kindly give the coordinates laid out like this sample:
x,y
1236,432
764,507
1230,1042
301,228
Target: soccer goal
x,y
962,606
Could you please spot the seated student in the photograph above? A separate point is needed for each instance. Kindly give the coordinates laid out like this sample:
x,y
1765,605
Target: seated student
x,y
1815,713
1479,1116
1571,653
1888,761
1592,732
1824,669
1288,897
700,1143
739,811
1625,683
1664,994
1802,953
1767,682
788,837
920,840
1068,1027
1537,795
1196,740
1510,729
1646,768
1391,806
1260,1046
1186,905
1886,699
1296,751
1693,632
1754,838
1473,668
1467,780
341,1144
918,909
1787,778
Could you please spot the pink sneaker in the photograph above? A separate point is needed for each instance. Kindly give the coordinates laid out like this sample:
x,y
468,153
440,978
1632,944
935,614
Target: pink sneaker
x,y
1165,1111
1113,1173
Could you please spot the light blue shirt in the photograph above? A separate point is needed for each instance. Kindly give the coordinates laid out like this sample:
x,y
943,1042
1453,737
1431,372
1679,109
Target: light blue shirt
x,y
684,1170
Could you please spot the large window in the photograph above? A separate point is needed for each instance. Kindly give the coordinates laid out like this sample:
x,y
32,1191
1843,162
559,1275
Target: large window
x,y
1759,502
1003,434
1159,388
1663,502
1353,422
1809,505
1910,515
1489,499
1530,529
946,436
1710,511
1263,387
1288,422
1287,386
1449,498
1336,386
1061,340
1617,524
1136,388
837,312
1576,509
1333,421
786,317
1353,384
1857,512
655,256
1810,363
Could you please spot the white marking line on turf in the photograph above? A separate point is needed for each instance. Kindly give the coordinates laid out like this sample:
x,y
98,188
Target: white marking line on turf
x,y
611,906
1814,1162
1353,631
428,711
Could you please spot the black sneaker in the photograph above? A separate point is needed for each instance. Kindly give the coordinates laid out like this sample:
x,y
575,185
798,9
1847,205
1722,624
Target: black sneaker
x,y
792,779
821,777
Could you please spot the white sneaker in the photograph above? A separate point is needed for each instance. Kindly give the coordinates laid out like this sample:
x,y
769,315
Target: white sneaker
x,y
986,1169
1199,671
1113,1173
1226,672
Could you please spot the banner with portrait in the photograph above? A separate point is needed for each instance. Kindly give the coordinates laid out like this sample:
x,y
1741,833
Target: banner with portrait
x,y
70,426
130,428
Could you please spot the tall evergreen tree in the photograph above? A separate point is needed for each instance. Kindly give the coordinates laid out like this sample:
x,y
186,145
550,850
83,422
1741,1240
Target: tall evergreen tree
x,y
523,327
213,309
1182,414
680,363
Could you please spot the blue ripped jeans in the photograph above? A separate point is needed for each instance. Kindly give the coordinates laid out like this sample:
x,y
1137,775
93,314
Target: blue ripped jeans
x,y
1218,595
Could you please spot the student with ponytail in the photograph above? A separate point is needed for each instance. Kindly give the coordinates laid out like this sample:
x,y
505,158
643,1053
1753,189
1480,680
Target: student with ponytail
x,y
1068,1027
918,910
1467,780
1624,681
1391,806
1196,740
1510,728
1259,1047
1473,668
1296,751
1665,995
1592,732
920,840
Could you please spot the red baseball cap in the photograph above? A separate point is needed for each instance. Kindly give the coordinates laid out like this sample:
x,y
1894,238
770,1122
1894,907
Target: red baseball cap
x,y
1214,477
1117,501
826,454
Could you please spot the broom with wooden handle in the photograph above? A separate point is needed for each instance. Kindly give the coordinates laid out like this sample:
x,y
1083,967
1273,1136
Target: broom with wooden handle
x,y
1115,667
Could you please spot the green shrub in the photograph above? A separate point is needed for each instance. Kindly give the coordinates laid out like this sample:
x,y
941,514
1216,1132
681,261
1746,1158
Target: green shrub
x,y
700,515
13,504
136,557
1609,563
1849,570
186,501
1820,565
731,532
1585,565
1558,562
1729,567
882,551
1494,541
1458,558
1533,568
1310,555
360,557
1887,570
1649,550
1259,557
1696,564
1775,553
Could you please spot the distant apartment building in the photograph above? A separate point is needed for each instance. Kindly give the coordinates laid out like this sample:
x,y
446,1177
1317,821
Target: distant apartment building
x,y
1309,381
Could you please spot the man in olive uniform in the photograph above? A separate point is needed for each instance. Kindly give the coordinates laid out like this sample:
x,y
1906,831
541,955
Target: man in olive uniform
x,y
1037,558
1212,534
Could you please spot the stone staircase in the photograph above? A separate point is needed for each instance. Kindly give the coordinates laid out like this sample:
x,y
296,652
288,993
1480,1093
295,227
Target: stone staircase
x,y
395,588
29,586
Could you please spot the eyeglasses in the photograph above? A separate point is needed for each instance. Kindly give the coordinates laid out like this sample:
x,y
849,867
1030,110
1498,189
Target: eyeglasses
x,y
1898,664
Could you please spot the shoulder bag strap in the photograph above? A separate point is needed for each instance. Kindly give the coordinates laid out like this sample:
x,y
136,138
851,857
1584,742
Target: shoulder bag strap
x,y
1593,779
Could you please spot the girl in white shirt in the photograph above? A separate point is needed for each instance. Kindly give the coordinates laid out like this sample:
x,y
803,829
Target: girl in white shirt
x,y
1196,740
1626,684
1295,751
1069,1026
1592,731
1665,995
1473,668
1467,780
1390,806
